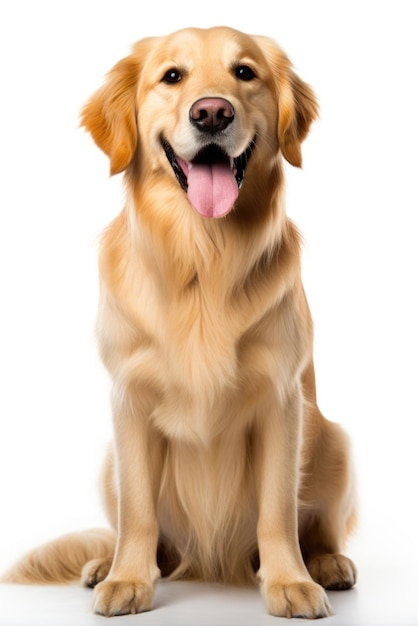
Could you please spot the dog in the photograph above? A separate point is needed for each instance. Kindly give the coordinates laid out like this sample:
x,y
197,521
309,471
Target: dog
x,y
223,467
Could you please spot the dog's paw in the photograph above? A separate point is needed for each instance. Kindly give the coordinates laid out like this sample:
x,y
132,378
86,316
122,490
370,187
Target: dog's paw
x,y
119,597
95,571
302,599
333,571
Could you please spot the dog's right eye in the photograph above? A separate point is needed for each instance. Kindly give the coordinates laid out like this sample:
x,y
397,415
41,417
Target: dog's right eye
x,y
172,76
243,72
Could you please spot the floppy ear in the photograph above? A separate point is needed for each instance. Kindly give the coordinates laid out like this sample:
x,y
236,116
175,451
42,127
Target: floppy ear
x,y
295,119
110,114
298,106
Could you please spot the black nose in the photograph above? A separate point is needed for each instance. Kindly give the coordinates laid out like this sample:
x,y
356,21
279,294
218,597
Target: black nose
x,y
211,115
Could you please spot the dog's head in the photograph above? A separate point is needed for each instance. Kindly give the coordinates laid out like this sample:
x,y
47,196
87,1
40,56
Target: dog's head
x,y
200,106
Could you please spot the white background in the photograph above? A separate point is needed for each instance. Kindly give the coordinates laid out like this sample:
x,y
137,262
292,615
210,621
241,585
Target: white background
x,y
355,201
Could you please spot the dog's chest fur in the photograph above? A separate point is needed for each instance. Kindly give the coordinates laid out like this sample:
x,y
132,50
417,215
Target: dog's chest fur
x,y
208,335
202,355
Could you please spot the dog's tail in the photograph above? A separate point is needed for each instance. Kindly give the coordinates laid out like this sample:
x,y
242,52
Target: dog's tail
x,y
62,559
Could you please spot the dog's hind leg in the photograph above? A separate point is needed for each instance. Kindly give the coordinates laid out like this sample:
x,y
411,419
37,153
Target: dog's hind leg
x,y
95,571
327,497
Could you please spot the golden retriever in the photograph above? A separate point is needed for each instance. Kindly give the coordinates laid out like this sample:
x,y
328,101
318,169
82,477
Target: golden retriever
x,y
223,468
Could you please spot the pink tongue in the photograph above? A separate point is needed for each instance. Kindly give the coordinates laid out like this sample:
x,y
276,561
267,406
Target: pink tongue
x,y
212,189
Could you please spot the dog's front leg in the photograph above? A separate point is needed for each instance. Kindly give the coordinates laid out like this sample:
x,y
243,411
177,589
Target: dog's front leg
x,y
286,585
129,586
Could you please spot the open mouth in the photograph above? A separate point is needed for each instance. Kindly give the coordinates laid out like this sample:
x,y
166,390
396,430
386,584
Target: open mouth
x,y
212,179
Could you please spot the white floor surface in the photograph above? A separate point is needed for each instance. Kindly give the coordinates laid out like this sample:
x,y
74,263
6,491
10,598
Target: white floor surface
x,y
384,596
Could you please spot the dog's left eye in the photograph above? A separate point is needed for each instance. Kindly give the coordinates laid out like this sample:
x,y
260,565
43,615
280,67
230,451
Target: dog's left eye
x,y
243,72
172,76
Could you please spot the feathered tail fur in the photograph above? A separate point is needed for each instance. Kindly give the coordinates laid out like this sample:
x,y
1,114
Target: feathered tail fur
x,y
62,559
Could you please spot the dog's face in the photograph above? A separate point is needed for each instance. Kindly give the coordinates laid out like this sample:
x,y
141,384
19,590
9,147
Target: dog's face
x,y
202,106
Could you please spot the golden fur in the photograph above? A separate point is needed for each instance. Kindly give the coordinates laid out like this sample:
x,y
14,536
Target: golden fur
x,y
222,462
